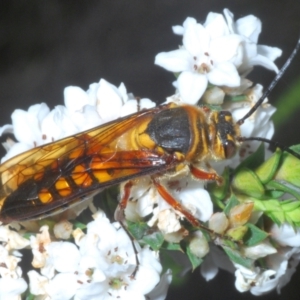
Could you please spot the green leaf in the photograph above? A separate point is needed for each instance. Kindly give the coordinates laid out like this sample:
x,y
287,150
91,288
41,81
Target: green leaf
x,y
289,170
238,98
79,225
30,297
236,257
275,194
271,208
232,202
176,261
246,182
219,191
195,260
214,107
137,229
275,185
154,240
267,169
171,246
292,211
296,148
27,235
49,222
176,74
254,235
237,233
287,104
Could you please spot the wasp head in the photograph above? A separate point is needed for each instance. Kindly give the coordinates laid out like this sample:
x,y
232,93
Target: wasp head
x,y
225,140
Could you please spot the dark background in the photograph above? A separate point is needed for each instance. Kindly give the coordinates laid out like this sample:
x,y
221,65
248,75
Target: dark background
x,y
48,45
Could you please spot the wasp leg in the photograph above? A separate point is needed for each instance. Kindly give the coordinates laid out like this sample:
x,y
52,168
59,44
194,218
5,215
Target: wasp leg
x,y
120,217
119,213
178,207
204,175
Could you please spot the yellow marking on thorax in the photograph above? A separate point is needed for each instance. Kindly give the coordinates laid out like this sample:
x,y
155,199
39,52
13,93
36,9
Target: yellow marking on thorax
x,y
199,148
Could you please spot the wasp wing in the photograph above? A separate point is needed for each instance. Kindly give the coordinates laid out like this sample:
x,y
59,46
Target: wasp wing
x,y
52,176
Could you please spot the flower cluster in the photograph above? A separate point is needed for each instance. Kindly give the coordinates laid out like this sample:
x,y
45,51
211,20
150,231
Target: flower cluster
x,y
83,110
220,52
101,263
210,68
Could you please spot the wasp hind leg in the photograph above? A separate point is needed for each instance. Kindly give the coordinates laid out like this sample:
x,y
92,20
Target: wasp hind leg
x,y
178,207
120,217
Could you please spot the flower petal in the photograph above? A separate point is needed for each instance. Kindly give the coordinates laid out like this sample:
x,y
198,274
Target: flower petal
x,y
194,196
227,49
286,235
216,25
75,98
174,61
191,86
27,124
109,101
224,74
249,26
196,39
270,52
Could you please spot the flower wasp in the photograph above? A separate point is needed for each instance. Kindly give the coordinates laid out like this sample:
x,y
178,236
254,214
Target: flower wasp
x,y
50,178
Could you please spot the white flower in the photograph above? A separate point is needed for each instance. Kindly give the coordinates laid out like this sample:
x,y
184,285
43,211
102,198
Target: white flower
x,y
103,102
259,123
260,250
280,268
200,61
285,235
285,262
38,245
198,244
215,259
160,291
109,250
218,52
12,288
247,279
249,27
218,222
12,285
62,257
63,229
61,287
12,239
26,126
101,267
9,265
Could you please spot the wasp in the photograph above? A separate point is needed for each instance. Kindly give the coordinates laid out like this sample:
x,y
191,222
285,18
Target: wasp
x,y
50,178
150,142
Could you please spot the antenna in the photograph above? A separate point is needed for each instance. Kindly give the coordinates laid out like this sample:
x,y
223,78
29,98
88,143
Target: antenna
x,y
271,86
270,142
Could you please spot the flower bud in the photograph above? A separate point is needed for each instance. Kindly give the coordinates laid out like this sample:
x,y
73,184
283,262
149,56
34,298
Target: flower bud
x,y
199,245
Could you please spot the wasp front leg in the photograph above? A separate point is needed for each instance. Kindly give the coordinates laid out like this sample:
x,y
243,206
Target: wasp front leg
x,y
205,175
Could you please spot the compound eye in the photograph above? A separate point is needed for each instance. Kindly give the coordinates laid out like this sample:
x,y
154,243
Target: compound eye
x,y
230,149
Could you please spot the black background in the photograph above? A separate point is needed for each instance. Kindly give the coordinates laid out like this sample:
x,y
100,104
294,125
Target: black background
x,y
48,45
